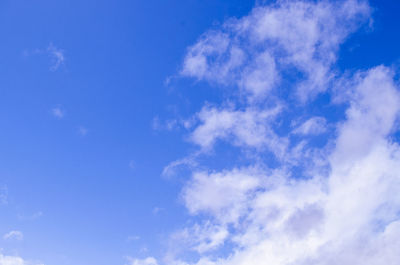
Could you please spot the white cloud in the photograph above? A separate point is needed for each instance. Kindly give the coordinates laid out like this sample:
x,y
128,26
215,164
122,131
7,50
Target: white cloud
x,y
344,208
14,235
56,55
202,238
15,260
325,219
146,261
173,167
219,192
313,126
11,260
246,128
297,38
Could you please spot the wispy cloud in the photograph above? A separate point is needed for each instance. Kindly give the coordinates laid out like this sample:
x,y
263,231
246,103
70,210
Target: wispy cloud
x,y
56,55
132,238
312,126
31,217
58,112
82,131
14,235
157,210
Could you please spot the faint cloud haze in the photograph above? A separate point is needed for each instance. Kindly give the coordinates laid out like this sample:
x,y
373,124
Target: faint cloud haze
x,y
14,235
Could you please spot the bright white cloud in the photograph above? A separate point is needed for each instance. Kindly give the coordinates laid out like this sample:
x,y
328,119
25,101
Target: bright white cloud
x,y
344,208
297,39
246,128
11,260
14,235
15,260
221,192
325,219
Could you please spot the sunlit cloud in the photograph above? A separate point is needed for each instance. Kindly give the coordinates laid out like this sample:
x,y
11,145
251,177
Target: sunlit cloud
x,y
329,196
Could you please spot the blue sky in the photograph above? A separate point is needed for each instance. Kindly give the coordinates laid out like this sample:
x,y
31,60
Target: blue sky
x,y
169,132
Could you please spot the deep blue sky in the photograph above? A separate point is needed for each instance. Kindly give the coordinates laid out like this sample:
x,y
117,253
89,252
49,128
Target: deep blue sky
x,y
96,190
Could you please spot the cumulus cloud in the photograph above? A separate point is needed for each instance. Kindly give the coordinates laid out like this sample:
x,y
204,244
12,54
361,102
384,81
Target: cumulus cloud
x,y
11,260
14,235
297,39
348,216
15,260
249,127
330,202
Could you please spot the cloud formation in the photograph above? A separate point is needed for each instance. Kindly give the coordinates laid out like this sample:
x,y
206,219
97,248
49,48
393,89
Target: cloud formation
x,y
330,194
289,40
11,260
349,216
15,260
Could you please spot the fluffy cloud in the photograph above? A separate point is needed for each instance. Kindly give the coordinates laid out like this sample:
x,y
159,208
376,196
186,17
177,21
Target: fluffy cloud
x,y
330,203
297,40
348,216
15,260
246,128
11,260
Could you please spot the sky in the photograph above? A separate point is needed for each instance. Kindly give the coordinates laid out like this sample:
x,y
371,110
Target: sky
x,y
199,132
